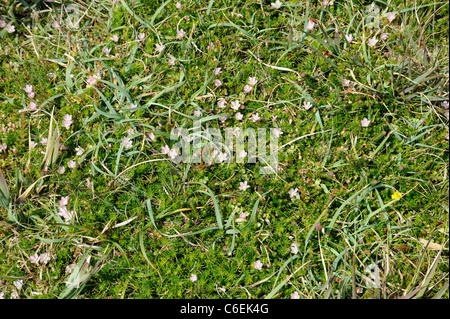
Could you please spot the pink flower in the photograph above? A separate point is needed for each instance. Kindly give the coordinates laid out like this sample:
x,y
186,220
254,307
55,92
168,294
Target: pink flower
x,y
178,5
217,82
141,36
210,46
277,132
197,113
349,37
384,36
114,38
310,25
294,249
390,16
247,89
127,143
33,144
106,50
2,23
239,116
88,182
34,259
33,106
365,122
258,265
10,28
295,295
242,154
159,47
61,170
67,121
92,80
28,88
193,277
3,147
71,164
372,42
165,149
221,103
217,71
172,62
44,141
243,186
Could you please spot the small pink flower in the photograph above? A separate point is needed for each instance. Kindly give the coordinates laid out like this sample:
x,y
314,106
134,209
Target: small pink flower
x,y
258,265
210,46
34,259
172,62
384,36
88,182
193,277
28,88
221,103
114,38
165,149
44,141
243,215
247,89
217,71
294,249
217,82
67,121
239,116
141,36
372,42
10,28
33,106
61,170
197,113
349,37
390,16
159,47
310,25
178,5
71,164
365,122
293,192
127,143
295,295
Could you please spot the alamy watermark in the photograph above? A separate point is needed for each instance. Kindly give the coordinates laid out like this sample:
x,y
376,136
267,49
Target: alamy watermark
x,y
235,145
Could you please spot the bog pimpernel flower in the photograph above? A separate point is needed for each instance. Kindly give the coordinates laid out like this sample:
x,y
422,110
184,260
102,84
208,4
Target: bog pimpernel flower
x,y
277,4
235,105
180,34
390,16
258,265
247,89
67,121
114,38
349,37
307,105
310,25
239,116
293,192
372,42
255,117
159,47
252,81
243,186
365,122
127,143
193,278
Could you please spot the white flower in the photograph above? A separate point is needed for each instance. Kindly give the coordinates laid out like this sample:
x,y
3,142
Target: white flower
x,y
18,284
151,137
258,265
307,105
44,258
159,47
114,38
239,116
172,62
79,151
33,144
277,132
255,117
193,277
44,141
180,34
28,88
217,82
293,192
222,157
242,154
277,4
243,186
384,36
310,25
172,154
252,81
2,23
365,122
390,16
106,50
3,147
61,170
372,42
197,113
66,214
294,249
141,36
178,5
10,28
349,37
127,143
14,295
235,105
217,71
